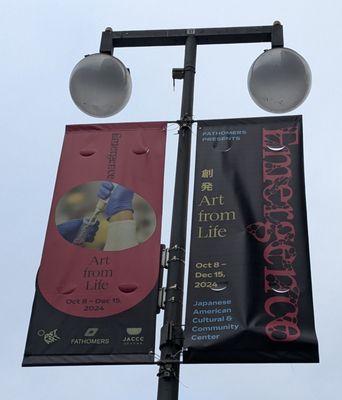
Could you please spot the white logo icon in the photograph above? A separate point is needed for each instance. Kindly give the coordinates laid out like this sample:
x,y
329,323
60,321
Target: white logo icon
x,y
90,332
134,331
49,337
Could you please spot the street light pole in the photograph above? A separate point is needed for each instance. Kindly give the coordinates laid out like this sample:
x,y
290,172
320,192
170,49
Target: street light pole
x,y
171,343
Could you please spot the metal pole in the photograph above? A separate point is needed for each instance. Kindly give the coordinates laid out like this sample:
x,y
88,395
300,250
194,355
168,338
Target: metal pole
x,y
171,341
171,333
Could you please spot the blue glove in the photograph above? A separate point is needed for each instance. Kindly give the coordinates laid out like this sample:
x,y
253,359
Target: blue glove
x,y
120,198
70,229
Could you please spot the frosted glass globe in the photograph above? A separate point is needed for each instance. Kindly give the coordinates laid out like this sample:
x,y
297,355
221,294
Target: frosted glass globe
x,y
279,80
100,85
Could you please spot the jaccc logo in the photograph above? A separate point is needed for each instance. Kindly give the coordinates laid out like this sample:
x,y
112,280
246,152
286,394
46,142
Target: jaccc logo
x,y
133,336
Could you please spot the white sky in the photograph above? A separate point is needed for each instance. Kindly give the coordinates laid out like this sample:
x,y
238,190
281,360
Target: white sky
x,y
40,43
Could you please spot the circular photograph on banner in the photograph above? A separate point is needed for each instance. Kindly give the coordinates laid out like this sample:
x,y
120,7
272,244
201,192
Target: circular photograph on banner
x,y
104,215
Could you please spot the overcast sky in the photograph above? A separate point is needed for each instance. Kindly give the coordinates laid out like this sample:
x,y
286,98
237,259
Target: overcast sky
x,y
40,43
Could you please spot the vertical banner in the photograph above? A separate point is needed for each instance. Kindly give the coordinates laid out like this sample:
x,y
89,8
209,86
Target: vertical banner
x,y
249,292
96,288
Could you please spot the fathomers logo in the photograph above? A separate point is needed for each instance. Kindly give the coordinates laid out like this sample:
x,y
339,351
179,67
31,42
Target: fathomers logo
x,y
133,336
277,232
90,337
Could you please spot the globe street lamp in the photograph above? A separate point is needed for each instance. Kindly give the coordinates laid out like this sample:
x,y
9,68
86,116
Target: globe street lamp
x,y
100,85
279,81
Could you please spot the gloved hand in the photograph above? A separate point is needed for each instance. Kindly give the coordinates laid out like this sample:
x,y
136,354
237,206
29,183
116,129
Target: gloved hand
x,y
120,198
70,229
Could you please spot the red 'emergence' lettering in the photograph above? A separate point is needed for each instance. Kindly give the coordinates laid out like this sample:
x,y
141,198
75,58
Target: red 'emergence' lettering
x,y
278,233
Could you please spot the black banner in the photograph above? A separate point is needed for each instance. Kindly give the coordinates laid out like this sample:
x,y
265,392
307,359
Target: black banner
x,y
249,292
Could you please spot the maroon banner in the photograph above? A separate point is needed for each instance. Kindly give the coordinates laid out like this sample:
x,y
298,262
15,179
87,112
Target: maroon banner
x,y
96,295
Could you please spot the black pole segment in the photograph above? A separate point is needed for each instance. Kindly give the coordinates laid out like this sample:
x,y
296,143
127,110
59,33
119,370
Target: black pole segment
x,y
178,37
277,35
106,45
171,342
